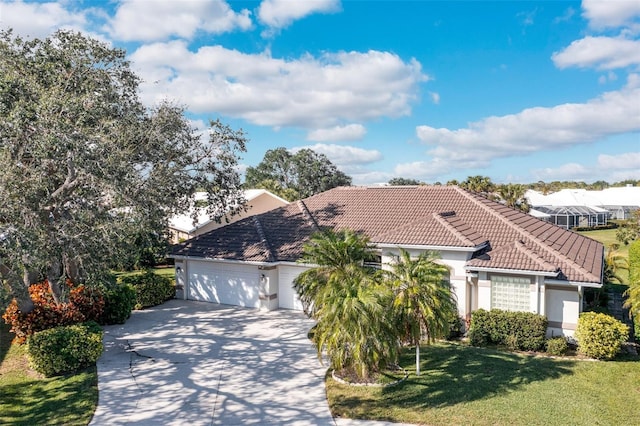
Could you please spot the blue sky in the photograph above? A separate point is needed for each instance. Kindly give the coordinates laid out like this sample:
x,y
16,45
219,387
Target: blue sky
x,y
515,90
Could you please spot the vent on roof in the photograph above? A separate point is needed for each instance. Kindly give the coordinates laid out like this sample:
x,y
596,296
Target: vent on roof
x,y
448,214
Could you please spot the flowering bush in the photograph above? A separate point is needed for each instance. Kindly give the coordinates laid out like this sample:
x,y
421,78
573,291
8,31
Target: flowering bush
x,y
84,304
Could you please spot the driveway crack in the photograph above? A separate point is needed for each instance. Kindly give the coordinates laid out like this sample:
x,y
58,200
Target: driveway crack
x,y
133,355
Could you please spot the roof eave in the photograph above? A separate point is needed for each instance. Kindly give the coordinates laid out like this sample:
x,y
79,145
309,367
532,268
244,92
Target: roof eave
x,y
469,268
433,247
574,283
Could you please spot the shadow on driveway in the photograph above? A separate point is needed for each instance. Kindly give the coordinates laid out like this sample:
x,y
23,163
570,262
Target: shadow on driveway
x,y
195,363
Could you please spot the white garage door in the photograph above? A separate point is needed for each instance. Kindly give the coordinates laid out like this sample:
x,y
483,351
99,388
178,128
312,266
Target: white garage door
x,y
287,296
226,283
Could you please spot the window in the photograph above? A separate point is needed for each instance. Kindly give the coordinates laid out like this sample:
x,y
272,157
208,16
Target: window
x,y
510,293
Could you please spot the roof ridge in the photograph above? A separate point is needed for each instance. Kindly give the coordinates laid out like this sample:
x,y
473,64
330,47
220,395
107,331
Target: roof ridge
x,y
307,214
263,237
440,219
520,246
527,235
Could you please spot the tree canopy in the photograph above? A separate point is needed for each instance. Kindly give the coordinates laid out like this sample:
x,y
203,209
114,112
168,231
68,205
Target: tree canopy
x,y
295,176
400,181
85,166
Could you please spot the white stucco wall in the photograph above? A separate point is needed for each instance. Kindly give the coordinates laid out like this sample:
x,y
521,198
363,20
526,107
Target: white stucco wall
x,y
453,260
562,310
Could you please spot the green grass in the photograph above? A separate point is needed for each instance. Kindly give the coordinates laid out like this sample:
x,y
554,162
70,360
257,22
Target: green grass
x,y
608,237
27,398
167,271
462,385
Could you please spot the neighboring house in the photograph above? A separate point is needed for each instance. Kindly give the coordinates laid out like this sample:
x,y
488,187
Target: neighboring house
x,y
498,257
580,207
259,201
570,217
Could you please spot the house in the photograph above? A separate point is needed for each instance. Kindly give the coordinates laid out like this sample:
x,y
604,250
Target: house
x,y
182,227
580,207
498,257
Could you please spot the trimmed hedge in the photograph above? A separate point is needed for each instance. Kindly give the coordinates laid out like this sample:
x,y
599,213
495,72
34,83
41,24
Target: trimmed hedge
x,y
151,289
65,349
517,330
119,302
557,346
600,336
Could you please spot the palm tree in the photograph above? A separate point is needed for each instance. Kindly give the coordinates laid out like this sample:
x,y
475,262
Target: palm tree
x,y
614,262
332,252
349,302
423,300
513,196
479,184
633,292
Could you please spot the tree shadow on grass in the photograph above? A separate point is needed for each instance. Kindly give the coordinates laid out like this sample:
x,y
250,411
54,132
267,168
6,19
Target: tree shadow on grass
x,y
6,337
69,399
453,374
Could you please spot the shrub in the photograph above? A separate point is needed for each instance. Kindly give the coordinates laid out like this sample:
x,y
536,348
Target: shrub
x,y
479,328
557,346
89,301
516,330
151,289
119,301
84,304
455,327
65,349
600,336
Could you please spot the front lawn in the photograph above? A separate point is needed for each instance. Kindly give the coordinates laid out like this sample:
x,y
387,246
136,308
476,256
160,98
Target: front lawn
x,y
26,398
463,385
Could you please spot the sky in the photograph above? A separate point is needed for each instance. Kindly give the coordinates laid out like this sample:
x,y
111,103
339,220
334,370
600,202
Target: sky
x,y
519,91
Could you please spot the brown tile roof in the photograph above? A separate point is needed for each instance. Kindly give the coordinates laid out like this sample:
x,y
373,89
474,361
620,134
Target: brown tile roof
x,y
441,216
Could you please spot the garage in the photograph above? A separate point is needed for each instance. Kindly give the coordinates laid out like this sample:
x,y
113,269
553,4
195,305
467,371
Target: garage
x,y
225,283
287,296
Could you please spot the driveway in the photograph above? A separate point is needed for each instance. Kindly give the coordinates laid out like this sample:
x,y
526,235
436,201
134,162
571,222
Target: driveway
x,y
194,363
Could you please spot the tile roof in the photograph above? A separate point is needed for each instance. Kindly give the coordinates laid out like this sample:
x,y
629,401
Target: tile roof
x,y
436,216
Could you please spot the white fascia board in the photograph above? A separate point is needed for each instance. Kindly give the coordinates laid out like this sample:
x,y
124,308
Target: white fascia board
x,y
511,271
245,262
209,259
436,248
573,283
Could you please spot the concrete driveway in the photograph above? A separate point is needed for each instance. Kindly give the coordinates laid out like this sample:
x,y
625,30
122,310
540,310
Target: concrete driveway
x,y
194,363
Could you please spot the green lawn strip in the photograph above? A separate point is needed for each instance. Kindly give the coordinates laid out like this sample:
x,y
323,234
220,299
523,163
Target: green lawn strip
x,y
466,385
167,271
608,237
26,398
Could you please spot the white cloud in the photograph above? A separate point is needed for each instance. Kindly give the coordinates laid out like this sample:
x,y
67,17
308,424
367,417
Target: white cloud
x,y
159,20
627,161
609,13
309,92
341,155
569,171
39,19
350,132
611,168
568,14
281,13
428,170
435,97
536,129
361,177
599,52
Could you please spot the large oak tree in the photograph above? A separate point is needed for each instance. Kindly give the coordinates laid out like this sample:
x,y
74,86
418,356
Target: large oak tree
x,y
295,175
85,167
